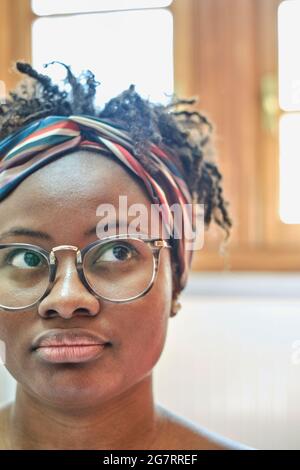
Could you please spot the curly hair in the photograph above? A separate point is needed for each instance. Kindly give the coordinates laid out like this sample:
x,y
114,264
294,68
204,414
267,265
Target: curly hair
x,y
186,134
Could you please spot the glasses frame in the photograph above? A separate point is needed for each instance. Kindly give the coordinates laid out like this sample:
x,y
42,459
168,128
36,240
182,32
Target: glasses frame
x,y
155,244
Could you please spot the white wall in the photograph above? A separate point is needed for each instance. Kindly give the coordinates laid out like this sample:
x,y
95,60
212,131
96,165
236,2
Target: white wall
x,y
228,366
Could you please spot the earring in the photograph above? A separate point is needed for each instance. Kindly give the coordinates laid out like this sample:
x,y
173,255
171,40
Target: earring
x,y
176,306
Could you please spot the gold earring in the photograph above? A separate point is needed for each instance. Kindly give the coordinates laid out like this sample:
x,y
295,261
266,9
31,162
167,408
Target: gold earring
x,y
176,306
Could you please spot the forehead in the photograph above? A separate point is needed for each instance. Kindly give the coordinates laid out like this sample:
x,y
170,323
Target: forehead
x,y
69,190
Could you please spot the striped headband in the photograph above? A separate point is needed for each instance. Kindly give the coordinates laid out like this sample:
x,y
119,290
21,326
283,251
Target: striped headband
x,y
42,141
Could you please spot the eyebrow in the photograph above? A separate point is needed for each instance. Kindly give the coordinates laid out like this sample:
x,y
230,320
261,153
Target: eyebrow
x,y
27,232
22,231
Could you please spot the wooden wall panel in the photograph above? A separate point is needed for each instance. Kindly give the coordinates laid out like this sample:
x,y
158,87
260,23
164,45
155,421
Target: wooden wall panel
x,y
232,46
15,37
222,72
4,39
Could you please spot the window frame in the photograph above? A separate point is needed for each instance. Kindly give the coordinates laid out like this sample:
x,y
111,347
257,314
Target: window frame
x,y
260,241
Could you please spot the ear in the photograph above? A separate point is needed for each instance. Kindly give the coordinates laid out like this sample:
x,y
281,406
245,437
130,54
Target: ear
x,y
176,306
175,286
175,294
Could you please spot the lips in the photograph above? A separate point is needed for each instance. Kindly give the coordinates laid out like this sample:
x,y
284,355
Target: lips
x,y
69,345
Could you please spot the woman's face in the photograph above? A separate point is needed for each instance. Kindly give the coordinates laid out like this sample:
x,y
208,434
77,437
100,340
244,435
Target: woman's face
x,y
61,199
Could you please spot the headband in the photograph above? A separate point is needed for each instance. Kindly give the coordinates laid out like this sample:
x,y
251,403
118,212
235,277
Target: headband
x,y
42,141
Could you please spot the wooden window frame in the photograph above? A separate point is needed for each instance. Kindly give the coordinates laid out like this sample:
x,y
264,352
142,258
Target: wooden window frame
x,y
247,154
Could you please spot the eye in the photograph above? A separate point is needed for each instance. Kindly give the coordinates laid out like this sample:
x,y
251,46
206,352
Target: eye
x,y
116,252
24,259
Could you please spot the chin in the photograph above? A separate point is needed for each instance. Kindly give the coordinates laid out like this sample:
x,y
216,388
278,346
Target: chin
x,y
72,386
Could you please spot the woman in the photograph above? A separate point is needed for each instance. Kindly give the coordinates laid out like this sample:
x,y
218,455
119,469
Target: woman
x,y
84,327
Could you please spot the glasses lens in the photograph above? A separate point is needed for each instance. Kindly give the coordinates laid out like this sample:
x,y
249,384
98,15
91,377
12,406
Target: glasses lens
x,y
119,269
24,276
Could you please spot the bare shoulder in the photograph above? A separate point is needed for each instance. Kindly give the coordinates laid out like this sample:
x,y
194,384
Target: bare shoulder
x,y
181,433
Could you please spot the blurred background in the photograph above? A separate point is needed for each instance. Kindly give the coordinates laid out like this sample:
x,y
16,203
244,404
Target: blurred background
x,y
232,357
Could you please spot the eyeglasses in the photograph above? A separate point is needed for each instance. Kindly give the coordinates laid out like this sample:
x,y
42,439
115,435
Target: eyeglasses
x,y
117,268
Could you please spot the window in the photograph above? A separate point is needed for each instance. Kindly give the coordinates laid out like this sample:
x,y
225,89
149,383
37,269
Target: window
x,y
55,7
223,62
120,47
289,168
289,101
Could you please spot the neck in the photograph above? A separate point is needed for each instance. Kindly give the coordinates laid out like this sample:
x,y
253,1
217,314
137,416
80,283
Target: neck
x,y
128,421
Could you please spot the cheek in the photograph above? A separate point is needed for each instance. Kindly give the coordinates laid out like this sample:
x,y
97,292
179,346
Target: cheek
x,y
8,329
3,339
144,323
14,329
11,328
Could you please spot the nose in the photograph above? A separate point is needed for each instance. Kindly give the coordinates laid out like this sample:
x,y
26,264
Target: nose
x,y
68,296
